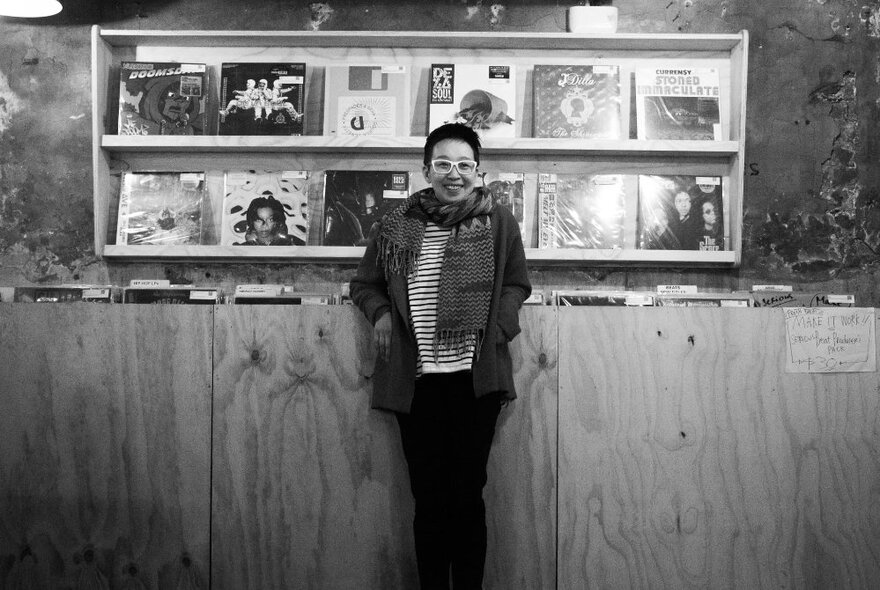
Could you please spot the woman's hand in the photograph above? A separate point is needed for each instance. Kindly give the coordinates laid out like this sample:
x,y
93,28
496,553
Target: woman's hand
x,y
382,336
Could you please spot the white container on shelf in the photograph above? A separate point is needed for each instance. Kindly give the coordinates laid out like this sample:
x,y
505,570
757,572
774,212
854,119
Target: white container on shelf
x,y
592,19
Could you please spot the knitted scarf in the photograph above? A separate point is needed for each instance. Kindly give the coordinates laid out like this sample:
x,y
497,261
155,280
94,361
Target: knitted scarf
x,y
468,271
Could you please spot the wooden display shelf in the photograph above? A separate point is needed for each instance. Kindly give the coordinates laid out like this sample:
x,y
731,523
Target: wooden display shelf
x,y
411,145
315,152
425,39
351,255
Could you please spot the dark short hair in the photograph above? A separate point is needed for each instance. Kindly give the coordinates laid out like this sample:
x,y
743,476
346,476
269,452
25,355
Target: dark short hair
x,y
452,131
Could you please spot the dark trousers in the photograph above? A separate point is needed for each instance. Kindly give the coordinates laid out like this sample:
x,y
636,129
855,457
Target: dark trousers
x,y
446,439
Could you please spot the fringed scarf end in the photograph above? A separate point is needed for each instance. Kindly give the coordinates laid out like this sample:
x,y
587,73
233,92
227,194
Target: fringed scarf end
x,y
457,339
395,258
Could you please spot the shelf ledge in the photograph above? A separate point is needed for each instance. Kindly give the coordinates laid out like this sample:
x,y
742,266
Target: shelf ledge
x,y
550,40
409,145
352,254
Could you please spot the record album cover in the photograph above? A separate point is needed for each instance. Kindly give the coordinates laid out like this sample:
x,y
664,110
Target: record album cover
x,y
678,103
262,98
480,96
367,100
680,212
161,98
160,208
171,295
265,208
66,293
577,101
506,189
603,298
354,200
581,211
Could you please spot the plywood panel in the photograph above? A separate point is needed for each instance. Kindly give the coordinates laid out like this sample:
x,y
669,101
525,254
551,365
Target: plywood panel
x,y
105,434
310,487
688,459
521,492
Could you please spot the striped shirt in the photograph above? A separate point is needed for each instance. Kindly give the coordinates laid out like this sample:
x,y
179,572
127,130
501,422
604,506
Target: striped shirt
x,y
424,287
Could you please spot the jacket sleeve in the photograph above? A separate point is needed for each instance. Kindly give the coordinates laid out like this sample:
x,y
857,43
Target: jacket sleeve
x,y
368,288
515,285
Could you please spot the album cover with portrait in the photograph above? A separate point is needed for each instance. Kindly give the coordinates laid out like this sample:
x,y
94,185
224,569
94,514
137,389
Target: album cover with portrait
x,y
481,96
162,98
366,100
354,200
262,98
681,212
160,208
578,101
265,208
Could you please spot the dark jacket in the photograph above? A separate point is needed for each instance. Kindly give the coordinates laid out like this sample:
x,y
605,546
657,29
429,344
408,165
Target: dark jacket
x,y
394,382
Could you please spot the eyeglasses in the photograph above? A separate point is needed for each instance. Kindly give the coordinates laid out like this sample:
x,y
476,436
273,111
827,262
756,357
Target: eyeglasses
x,y
446,166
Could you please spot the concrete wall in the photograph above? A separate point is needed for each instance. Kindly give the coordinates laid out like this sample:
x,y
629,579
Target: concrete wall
x,y
812,186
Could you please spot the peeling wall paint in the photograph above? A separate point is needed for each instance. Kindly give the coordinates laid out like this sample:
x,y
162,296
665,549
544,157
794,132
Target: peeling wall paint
x,y
320,13
10,103
870,16
496,15
846,234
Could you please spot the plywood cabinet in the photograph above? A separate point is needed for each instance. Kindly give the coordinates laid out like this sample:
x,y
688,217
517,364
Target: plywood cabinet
x,y
177,446
105,445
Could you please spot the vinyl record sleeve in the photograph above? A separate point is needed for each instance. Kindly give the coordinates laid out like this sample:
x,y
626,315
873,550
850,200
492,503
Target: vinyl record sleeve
x,y
577,101
354,200
678,103
367,100
581,211
507,190
162,98
249,196
481,96
160,208
680,212
262,98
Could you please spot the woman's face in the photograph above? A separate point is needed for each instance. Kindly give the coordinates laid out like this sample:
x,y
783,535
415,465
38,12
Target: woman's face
x,y
709,214
264,224
452,186
682,204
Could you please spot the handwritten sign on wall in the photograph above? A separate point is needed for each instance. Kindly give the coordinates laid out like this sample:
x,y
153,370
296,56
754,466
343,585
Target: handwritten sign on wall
x,y
830,339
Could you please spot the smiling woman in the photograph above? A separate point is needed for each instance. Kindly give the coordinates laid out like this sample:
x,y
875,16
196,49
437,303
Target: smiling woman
x,y
442,281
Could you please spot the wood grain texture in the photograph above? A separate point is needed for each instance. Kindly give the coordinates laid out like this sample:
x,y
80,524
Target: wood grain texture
x,y
521,491
310,485
310,488
689,459
105,438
